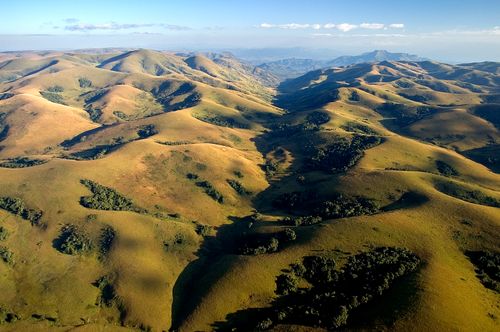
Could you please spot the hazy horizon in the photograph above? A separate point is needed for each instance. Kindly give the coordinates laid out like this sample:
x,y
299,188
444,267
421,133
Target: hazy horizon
x,y
438,30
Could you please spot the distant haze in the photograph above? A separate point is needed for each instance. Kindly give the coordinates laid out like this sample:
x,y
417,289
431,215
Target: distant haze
x,y
440,30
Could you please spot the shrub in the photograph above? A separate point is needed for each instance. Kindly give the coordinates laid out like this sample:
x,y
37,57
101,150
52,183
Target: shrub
x,y
211,191
445,169
105,198
289,235
341,155
258,244
18,207
84,82
355,127
4,233
271,167
487,265
220,120
94,113
302,221
91,217
344,206
146,131
53,97
286,284
108,294
72,241
6,255
106,240
317,118
192,176
354,96
238,187
21,162
7,317
333,293
203,230
472,196
55,89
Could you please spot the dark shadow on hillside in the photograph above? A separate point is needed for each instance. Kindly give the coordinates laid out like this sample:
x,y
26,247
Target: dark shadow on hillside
x,y
408,200
215,256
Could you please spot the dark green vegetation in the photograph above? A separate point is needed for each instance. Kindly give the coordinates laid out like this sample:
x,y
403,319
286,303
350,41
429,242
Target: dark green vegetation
x,y
84,82
106,240
354,96
238,187
472,196
6,95
343,206
101,150
96,152
55,89
21,162
219,120
337,206
146,131
257,243
72,241
208,188
302,221
4,233
355,127
53,94
7,316
316,293
17,206
169,91
105,198
6,255
445,169
487,266
341,155
108,296
211,191
405,115
94,113
317,118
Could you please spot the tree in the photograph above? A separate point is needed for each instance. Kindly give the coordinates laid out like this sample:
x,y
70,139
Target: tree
x,y
286,284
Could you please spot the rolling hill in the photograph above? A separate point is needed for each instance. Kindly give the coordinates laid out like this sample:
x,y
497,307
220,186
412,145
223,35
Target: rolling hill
x,y
155,191
293,67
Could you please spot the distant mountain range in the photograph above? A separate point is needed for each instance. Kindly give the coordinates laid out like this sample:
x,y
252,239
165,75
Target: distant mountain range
x,y
289,68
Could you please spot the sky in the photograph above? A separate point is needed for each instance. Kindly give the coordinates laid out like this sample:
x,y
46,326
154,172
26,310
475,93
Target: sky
x,y
453,31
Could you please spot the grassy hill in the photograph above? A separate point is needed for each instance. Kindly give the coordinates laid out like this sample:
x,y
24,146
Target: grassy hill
x,y
145,190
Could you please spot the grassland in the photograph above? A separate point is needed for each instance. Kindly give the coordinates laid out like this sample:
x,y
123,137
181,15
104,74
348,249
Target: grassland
x,y
171,191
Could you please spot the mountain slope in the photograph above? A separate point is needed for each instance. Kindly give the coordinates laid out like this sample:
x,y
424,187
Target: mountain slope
x,y
145,190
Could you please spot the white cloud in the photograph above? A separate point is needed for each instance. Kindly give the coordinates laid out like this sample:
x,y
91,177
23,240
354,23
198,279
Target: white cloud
x,y
119,26
345,27
295,26
266,25
373,26
291,26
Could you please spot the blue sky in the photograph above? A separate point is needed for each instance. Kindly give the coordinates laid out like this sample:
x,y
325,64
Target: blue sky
x,y
447,30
